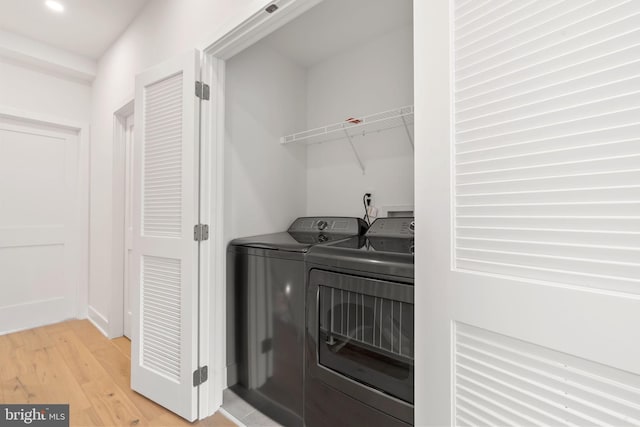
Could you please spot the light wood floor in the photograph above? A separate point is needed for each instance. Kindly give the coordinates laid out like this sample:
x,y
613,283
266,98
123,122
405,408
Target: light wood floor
x,y
72,362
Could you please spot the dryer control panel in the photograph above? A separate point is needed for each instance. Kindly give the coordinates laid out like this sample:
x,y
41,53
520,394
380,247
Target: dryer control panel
x,y
392,227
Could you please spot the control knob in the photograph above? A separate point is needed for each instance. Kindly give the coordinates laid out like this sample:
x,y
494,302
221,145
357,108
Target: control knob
x,y
412,226
322,225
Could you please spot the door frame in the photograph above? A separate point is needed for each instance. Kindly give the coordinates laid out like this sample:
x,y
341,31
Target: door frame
x,y
115,327
250,25
82,279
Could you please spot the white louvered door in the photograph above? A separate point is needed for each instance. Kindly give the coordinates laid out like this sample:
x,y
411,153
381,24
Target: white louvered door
x,y
528,205
165,255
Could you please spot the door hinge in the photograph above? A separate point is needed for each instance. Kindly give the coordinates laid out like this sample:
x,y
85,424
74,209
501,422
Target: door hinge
x,y
202,91
200,376
200,232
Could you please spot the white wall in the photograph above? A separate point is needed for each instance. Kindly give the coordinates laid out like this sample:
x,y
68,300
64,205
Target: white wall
x,y
163,29
33,90
269,96
265,181
47,58
375,77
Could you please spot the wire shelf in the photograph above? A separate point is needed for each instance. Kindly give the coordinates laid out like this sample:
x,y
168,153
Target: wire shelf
x,y
354,127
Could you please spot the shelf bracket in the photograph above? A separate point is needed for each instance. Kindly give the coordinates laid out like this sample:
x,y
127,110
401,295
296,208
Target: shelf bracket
x,y
406,128
355,152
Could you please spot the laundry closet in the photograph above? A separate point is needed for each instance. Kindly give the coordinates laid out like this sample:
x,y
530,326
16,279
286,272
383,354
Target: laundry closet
x,y
318,124
341,62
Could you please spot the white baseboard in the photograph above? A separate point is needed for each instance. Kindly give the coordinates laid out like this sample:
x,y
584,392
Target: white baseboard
x,y
99,321
32,314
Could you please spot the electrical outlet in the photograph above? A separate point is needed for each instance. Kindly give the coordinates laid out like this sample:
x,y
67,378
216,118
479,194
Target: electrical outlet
x,y
371,200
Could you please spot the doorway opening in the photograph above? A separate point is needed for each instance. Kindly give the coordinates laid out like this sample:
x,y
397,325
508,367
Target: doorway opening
x,y
221,179
123,144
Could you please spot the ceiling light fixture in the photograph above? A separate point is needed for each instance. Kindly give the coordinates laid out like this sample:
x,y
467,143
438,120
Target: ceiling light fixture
x,y
55,6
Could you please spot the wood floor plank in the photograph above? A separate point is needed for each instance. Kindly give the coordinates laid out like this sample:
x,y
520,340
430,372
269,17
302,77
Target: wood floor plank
x,y
2,398
19,379
91,337
56,327
168,419
19,390
15,339
5,349
119,369
5,346
78,357
34,339
112,405
124,345
85,417
57,380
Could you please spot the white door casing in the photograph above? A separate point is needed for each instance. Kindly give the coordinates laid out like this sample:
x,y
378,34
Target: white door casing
x,y
123,125
230,39
41,223
128,222
525,270
165,255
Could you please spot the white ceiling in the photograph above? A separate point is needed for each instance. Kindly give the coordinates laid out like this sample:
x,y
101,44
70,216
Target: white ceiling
x,y
335,26
86,27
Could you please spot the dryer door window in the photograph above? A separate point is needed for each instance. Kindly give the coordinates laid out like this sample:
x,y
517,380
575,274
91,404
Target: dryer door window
x,y
367,337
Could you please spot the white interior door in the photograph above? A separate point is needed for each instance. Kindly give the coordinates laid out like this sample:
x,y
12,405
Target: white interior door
x,y
165,255
528,210
128,222
39,224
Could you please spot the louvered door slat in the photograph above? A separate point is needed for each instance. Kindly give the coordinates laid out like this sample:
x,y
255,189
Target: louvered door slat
x,y
549,18
163,116
546,149
608,22
546,387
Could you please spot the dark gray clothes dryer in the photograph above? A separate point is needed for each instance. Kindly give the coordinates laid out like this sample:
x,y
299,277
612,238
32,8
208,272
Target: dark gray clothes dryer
x,y
360,329
266,293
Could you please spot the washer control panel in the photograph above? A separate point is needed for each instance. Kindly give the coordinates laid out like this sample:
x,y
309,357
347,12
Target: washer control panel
x,y
392,227
339,225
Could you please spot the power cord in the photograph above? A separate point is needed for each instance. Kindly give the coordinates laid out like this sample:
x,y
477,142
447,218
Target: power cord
x,y
366,202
